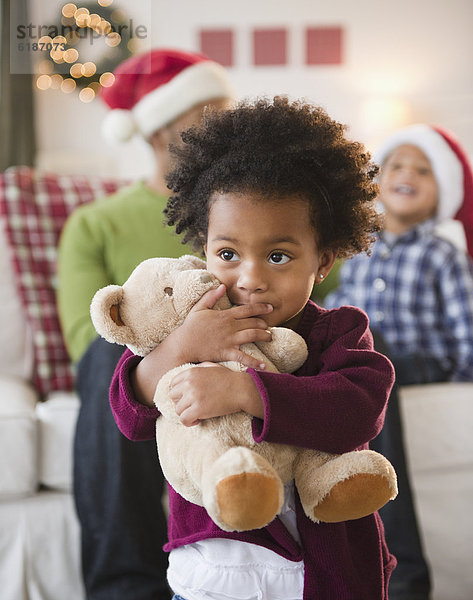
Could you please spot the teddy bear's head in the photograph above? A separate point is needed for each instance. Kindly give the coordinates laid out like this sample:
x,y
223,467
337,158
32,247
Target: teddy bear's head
x,y
153,301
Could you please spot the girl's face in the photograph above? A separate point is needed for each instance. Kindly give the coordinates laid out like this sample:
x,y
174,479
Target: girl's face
x,y
265,251
408,188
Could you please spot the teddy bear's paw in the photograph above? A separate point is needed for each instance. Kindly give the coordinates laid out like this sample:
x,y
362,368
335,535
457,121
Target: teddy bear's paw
x,y
247,501
287,349
347,486
356,497
242,491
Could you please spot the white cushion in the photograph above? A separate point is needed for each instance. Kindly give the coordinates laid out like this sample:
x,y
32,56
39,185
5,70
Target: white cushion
x,y
437,425
444,506
16,346
40,548
18,439
56,422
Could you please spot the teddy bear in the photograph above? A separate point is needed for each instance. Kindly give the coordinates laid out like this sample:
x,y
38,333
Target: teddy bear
x,y
216,463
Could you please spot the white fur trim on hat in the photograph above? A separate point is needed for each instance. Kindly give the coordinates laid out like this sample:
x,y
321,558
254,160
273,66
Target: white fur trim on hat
x,y
119,125
196,84
445,164
454,232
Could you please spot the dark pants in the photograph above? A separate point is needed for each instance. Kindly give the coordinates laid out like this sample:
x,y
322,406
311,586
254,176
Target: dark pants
x,y
118,487
415,369
410,580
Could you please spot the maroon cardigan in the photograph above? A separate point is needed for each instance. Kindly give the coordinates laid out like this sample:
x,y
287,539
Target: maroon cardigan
x,y
335,403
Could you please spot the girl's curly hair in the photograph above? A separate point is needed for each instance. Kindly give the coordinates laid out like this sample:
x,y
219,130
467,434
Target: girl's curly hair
x,y
277,149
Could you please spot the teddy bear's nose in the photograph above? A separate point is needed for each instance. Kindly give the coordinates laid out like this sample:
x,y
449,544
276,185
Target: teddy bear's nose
x,y
168,291
206,278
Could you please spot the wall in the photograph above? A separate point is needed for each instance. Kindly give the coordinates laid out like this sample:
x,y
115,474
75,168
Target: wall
x,y
408,56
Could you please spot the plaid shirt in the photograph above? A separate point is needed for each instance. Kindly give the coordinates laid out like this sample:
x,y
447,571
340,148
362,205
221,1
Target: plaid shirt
x,y
418,292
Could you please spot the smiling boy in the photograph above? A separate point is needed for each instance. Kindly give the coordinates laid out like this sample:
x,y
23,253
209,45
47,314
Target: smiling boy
x,y
417,289
409,190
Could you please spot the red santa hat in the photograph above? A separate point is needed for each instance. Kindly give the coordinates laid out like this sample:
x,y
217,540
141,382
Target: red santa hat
x,y
151,90
451,168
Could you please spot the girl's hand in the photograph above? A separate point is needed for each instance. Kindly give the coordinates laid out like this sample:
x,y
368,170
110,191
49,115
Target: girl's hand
x,y
211,390
216,335
205,335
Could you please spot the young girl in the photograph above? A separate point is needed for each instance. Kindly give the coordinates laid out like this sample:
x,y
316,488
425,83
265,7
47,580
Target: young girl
x,y
271,192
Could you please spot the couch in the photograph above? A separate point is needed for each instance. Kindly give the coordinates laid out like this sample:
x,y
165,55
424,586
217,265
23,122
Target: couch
x,y
438,422
39,532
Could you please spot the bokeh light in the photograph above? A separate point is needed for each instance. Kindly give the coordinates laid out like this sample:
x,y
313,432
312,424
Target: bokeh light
x,y
87,94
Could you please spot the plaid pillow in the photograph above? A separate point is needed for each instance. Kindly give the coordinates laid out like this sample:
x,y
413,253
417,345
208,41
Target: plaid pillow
x,y
35,207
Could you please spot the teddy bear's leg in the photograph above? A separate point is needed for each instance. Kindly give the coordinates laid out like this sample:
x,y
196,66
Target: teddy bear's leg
x,y
242,491
179,461
346,486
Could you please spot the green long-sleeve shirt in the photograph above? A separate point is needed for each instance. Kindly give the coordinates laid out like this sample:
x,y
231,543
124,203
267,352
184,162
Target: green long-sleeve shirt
x,y
102,242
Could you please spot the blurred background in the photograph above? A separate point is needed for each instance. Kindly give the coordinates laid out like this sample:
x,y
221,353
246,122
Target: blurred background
x,y
373,65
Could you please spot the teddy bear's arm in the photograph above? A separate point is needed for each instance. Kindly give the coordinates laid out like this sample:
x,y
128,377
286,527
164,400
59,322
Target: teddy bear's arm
x,y
287,349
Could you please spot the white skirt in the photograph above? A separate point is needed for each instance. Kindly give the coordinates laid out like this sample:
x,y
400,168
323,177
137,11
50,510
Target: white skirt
x,y
224,569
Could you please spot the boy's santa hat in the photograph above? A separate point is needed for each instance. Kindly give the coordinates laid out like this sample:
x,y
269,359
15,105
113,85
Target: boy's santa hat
x,y
450,166
153,89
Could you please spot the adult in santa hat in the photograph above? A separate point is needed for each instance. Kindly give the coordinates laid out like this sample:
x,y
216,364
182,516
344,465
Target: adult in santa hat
x,y
117,483
417,289
157,95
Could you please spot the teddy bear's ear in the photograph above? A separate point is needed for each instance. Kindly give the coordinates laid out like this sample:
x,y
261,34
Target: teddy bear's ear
x,y
105,313
195,262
